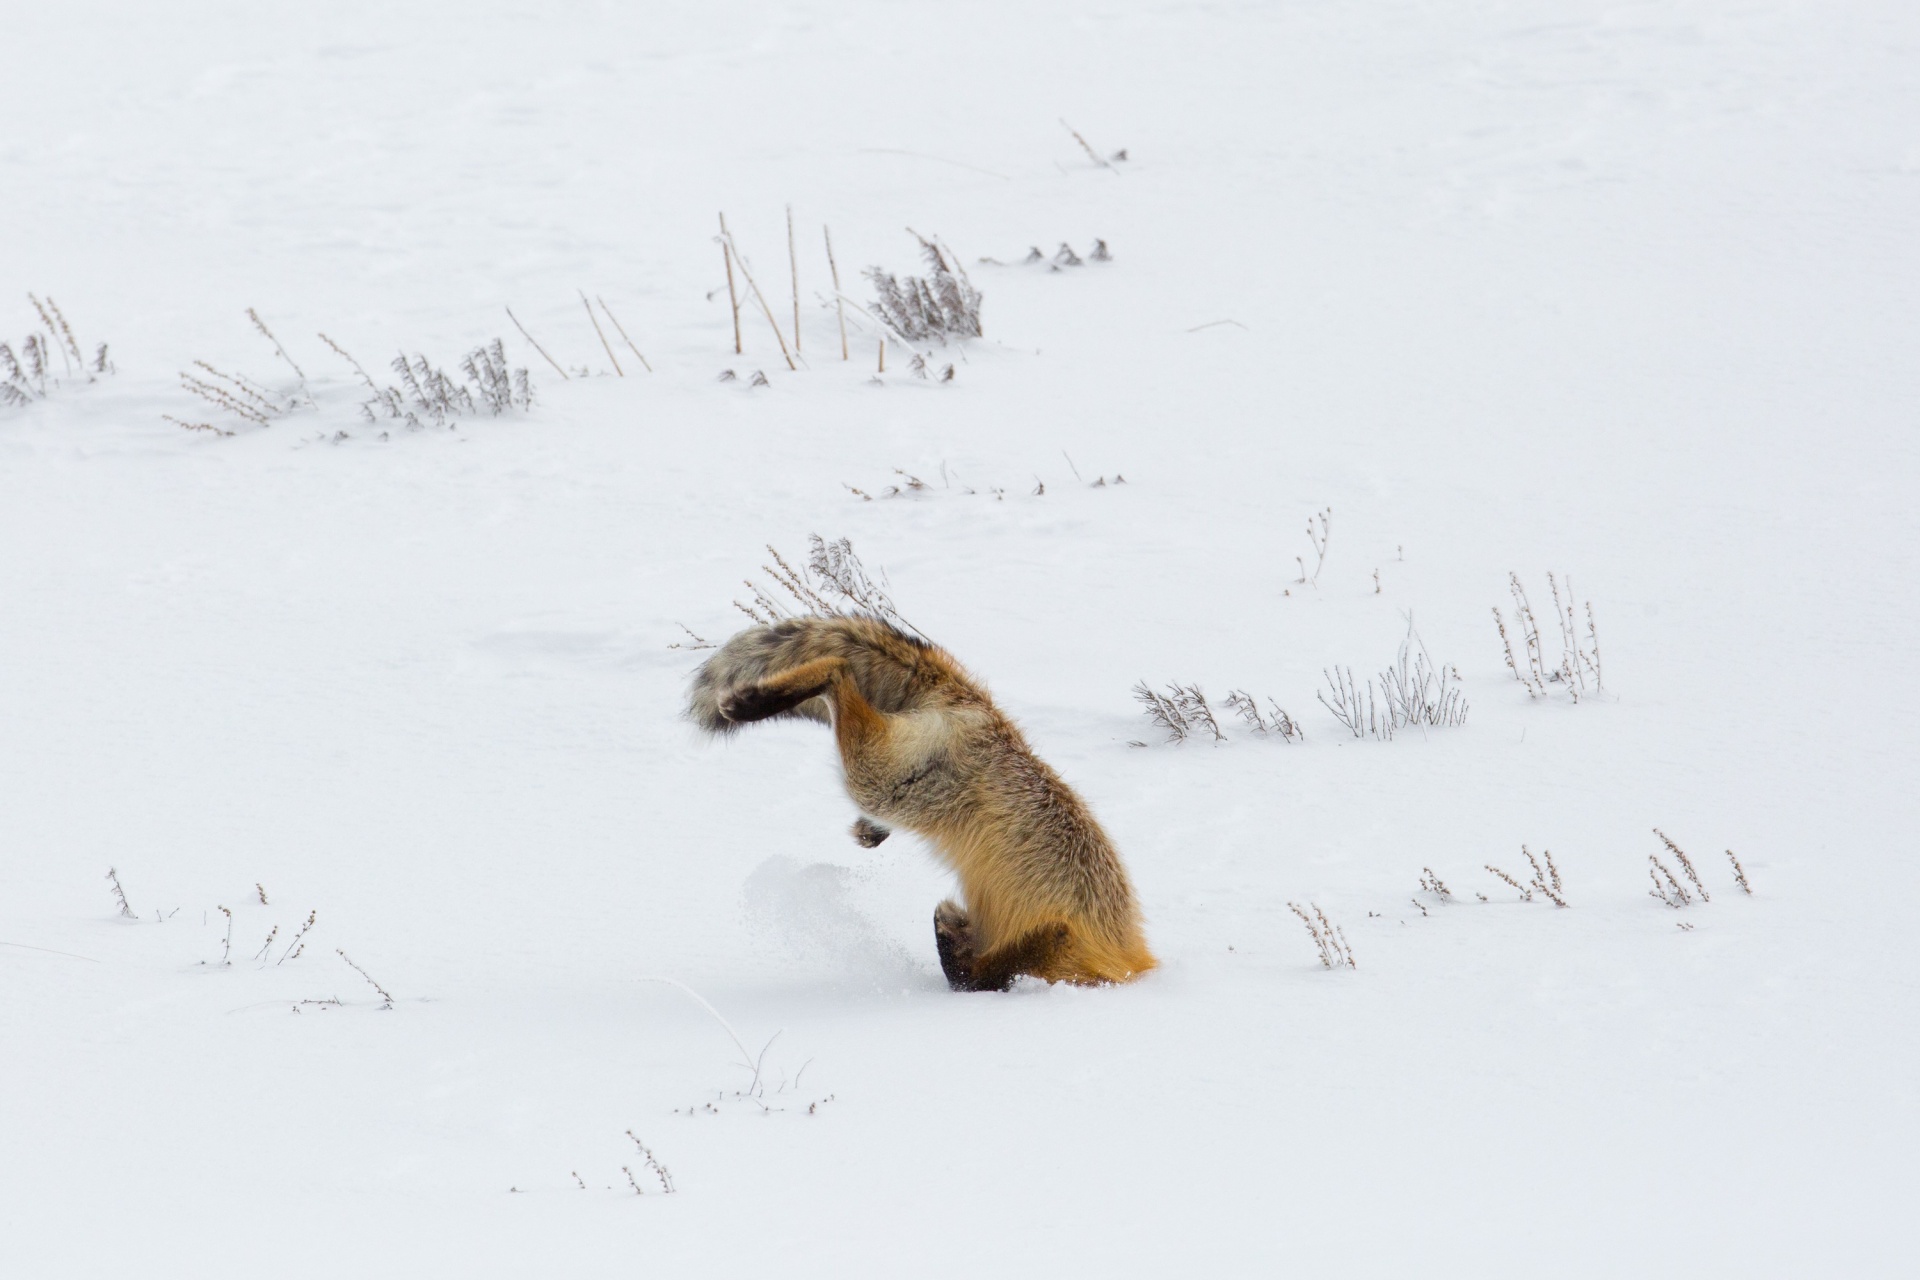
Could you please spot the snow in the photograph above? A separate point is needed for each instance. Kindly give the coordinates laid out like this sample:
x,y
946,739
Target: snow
x,y
1619,290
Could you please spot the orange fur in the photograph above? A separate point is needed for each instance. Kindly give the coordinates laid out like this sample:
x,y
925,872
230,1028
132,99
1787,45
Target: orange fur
x,y
925,749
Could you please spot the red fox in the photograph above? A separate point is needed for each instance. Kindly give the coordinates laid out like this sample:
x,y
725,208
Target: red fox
x,y
925,749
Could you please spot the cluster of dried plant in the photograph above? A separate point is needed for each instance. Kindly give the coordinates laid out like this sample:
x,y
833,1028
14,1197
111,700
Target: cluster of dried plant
x,y
1433,884
1181,712
30,375
832,583
1064,256
942,305
1578,670
1276,722
1413,692
1327,936
1545,883
425,392
1668,888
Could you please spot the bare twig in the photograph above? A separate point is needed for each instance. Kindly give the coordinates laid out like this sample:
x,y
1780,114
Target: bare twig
x,y
261,325
385,995
839,303
622,331
536,346
747,273
600,333
1087,147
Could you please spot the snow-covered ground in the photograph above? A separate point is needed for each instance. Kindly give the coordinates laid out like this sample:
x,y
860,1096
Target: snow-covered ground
x,y
1625,291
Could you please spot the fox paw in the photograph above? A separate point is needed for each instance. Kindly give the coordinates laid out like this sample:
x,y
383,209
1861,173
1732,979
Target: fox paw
x,y
869,833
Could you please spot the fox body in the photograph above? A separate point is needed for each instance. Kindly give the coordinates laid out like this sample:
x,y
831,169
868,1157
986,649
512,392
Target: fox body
x,y
925,750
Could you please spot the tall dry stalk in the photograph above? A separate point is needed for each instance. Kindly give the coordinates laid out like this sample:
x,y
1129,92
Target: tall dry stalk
x,y
623,332
761,298
536,346
793,264
839,302
600,333
733,296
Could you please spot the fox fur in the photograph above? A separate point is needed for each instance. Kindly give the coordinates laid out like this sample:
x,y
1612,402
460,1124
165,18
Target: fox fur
x,y
925,750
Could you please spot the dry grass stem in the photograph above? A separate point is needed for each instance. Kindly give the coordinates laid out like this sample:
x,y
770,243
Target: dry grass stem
x,y
1546,883
384,994
536,346
1319,529
1739,873
1328,938
342,353
1526,894
1686,865
733,295
1285,726
746,273
1433,883
839,302
1578,670
1087,147
621,330
299,942
1671,892
793,264
600,333
261,325
659,1170
226,946
119,894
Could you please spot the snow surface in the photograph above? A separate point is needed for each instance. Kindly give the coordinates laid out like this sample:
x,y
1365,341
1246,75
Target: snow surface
x,y
1621,290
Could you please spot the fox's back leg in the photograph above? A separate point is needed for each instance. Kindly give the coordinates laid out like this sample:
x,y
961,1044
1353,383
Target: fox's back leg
x,y
782,691
1032,952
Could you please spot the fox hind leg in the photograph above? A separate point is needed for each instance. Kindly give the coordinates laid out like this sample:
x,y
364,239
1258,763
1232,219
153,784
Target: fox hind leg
x,y
1032,952
783,692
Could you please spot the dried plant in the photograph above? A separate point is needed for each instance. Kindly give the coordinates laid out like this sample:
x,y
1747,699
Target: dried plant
x,y
1327,937
1739,873
226,946
1433,883
746,272
1578,671
1319,529
833,583
659,1170
267,333
1526,894
386,998
299,943
1182,711
29,375
1285,726
427,393
119,894
1671,892
235,393
942,304
1412,691
1547,883
1686,865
